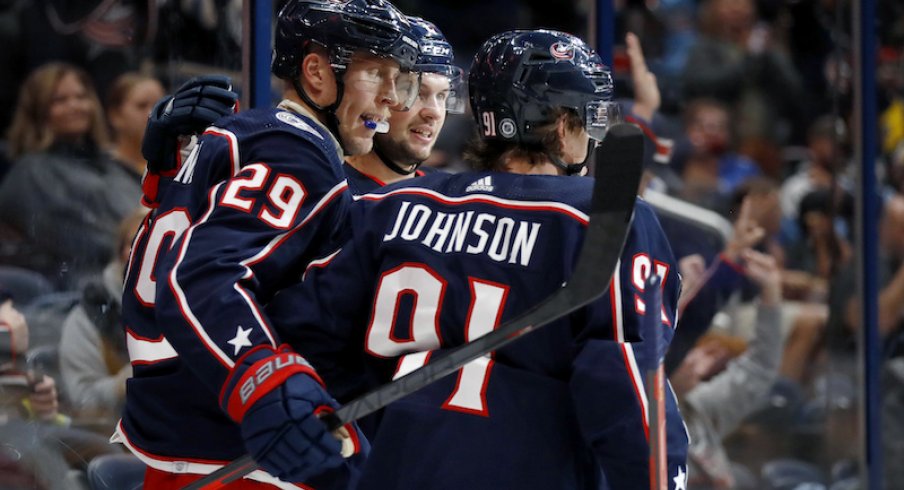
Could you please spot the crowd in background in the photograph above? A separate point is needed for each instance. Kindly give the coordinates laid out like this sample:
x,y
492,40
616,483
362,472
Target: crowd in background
x,y
754,127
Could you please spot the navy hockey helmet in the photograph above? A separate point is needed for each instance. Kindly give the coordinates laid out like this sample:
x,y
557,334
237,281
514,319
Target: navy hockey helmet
x,y
341,27
436,56
519,77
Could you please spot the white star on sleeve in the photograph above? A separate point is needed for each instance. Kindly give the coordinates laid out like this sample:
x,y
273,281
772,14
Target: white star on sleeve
x,y
240,340
680,479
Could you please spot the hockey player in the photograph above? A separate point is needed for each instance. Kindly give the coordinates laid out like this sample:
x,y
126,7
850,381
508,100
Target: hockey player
x,y
438,261
258,197
398,154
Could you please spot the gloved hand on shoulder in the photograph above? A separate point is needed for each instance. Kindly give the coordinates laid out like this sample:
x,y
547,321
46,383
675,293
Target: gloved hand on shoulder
x,y
195,106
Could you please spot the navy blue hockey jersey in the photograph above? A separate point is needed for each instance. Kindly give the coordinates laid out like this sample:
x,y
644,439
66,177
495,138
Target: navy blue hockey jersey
x,y
437,261
361,183
261,195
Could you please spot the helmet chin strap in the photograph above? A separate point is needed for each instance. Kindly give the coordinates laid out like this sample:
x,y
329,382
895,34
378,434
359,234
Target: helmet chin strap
x,y
391,165
572,168
331,121
568,168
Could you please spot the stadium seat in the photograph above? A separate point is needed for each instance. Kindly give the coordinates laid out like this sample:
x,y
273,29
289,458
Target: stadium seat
x,y
23,284
783,405
792,474
116,472
45,315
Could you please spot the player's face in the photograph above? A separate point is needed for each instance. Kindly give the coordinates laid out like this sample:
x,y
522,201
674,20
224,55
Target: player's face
x,y
131,117
413,133
372,86
709,131
71,109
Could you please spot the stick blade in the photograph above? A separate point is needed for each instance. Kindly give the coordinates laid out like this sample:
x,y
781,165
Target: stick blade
x,y
617,172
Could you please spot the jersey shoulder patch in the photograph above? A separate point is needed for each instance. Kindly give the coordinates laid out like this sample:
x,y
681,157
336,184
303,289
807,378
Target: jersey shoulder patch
x,y
295,121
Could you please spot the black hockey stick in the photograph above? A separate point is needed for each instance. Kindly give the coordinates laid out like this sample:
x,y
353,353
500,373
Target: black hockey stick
x,y
617,176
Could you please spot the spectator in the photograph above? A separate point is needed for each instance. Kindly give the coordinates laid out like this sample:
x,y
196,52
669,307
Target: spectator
x,y
130,100
736,60
716,393
845,309
709,282
825,140
821,251
811,264
713,166
31,425
62,201
94,362
765,211
13,332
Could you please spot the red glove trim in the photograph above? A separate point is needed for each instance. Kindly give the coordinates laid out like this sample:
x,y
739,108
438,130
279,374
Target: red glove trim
x,y
150,185
263,377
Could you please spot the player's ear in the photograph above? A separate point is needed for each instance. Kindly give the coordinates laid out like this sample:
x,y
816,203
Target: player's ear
x,y
318,78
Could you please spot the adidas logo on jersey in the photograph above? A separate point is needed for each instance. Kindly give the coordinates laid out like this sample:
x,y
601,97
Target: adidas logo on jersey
x,y
484,184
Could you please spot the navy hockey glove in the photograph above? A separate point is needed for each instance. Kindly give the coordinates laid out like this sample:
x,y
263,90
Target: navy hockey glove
x,y
195,106
276,396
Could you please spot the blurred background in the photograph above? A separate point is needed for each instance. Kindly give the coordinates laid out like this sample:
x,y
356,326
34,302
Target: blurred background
x,y
754,145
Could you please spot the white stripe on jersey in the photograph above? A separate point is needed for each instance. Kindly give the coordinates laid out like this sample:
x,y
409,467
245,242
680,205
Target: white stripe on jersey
x,y
320,263
273,245
615,298
146,351
637,381
180,295
498,201
324,201
233,147
175,466
261,255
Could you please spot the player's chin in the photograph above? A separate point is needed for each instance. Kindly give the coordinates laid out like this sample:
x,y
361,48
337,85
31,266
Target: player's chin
x,y
356,144
419,151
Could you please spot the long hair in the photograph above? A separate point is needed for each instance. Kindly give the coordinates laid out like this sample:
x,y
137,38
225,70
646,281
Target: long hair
x,y
493,155
30,131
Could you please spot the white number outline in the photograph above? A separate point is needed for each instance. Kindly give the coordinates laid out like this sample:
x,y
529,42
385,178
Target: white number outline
x,y
169,224
284,198
641,264
484,313
489,123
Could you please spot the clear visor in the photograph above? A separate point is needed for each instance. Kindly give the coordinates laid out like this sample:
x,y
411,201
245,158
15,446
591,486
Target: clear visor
x,y
600,116
407,86
401,87
455,98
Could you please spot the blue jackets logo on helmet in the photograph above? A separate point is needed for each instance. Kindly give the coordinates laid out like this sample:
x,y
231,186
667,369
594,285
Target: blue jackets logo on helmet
x,y
562,51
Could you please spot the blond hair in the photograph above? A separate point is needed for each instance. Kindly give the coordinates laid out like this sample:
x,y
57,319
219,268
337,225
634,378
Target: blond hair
x,y
30,131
